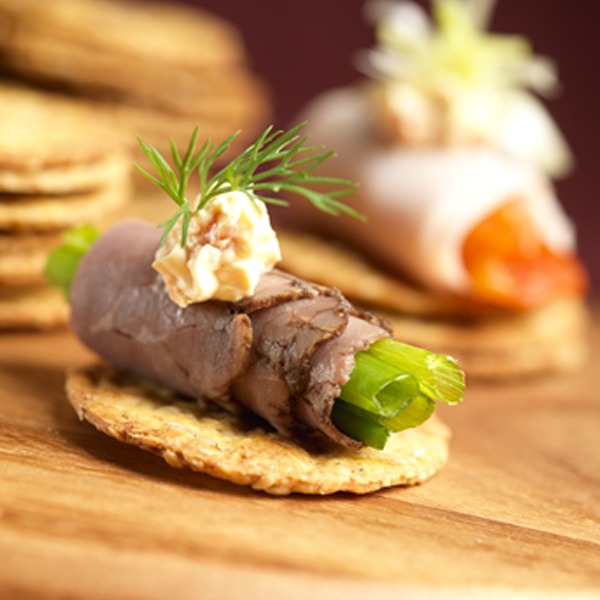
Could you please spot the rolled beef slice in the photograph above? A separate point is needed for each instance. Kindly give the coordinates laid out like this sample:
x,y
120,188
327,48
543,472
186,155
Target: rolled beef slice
x,y
283,353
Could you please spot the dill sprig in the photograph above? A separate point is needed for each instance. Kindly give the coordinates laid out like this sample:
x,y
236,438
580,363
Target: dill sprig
x,y
278,161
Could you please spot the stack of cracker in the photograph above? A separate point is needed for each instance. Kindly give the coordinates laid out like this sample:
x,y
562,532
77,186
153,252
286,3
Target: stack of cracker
x,y
162,68
60,165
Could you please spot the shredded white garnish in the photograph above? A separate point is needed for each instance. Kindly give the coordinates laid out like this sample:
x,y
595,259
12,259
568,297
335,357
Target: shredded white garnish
x,y
451,82
455,47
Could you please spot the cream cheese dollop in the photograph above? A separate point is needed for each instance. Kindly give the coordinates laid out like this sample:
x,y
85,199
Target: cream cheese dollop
x,y
230,244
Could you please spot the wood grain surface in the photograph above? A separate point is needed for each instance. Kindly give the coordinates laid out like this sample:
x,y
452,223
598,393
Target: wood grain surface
x,y
515,513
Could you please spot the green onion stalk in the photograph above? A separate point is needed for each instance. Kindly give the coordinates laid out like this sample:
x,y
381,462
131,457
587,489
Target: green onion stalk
x,y
393,387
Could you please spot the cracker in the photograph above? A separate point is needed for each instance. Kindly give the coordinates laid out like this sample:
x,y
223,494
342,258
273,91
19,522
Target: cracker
x,y
225,91
212,441
43,131
23,257
67,179
43,213
32,308
194,72
550,339
179,35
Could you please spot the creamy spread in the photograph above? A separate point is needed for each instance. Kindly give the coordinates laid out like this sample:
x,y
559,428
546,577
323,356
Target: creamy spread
x,y
230,244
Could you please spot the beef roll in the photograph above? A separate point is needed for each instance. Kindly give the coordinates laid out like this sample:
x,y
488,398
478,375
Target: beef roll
x,y
283,353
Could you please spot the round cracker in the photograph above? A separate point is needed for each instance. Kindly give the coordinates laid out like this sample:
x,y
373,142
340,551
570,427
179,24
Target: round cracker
x,y
74,178
100,47
23,256
212,441
43,212
41,130
32,308
550,339
180,35
226,93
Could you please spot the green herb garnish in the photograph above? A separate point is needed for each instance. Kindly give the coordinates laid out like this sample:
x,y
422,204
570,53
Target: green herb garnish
x,y
393,387
278,161
63,261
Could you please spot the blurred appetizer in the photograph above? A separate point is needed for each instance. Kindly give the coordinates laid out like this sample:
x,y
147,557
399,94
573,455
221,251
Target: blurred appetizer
x,y
296,390
466,241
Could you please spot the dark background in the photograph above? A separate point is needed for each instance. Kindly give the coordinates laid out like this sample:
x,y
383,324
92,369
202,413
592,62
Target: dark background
x,y
301,48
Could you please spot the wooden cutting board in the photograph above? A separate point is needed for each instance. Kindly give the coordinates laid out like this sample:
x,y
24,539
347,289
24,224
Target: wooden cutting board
x,y
516,512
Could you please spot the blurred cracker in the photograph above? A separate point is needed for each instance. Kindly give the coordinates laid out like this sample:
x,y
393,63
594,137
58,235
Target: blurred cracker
x,y
69,178
193,72
35,307
46,213
23,257
550,339
164,33
217,443
43,131
225,89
